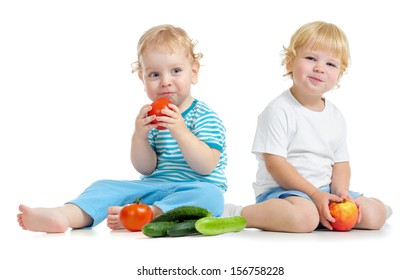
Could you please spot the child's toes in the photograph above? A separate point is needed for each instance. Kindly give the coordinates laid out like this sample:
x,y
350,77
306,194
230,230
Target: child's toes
x,y
114,210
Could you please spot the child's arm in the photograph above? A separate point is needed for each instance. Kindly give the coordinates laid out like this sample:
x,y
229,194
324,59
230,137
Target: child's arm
x,y
143,157
286,176
340,180
340,183
199,156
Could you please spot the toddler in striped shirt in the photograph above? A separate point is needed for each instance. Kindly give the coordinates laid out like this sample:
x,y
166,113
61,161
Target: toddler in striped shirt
x,y
181,164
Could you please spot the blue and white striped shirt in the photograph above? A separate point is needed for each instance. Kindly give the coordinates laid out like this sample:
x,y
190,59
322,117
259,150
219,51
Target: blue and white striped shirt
x,y
206,125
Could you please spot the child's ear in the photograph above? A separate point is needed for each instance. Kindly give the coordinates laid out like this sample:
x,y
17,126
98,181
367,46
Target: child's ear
x,y
288,66
195,70
140,74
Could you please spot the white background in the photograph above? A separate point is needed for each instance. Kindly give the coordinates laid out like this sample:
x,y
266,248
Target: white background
x,y
68,101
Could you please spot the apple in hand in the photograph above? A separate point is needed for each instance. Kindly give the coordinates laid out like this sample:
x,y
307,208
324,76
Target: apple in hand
x,y
345,214
157,107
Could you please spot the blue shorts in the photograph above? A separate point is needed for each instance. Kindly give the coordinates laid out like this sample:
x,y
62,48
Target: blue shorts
x,y
280,192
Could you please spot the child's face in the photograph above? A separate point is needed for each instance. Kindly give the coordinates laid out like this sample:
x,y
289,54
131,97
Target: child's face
x,y
314,72
168,75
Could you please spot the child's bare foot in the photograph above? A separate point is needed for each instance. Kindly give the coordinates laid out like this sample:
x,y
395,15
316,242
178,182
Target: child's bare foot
x,y
113,219
50,220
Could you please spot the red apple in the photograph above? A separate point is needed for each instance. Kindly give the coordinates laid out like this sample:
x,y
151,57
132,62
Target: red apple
x,y
345,214
157,107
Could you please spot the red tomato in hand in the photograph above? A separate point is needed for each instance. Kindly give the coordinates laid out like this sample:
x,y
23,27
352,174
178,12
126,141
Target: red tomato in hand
x,y
157,107
134,216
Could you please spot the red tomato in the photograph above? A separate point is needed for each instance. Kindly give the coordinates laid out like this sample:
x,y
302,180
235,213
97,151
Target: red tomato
x,y
157,107
134,216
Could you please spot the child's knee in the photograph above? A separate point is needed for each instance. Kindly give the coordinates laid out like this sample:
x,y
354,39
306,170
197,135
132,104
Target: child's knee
x,y
303,217
101,184
214,201
203,195
306,221
374,214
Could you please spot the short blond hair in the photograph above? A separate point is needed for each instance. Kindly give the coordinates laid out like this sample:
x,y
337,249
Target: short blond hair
x,y
322,36
169,38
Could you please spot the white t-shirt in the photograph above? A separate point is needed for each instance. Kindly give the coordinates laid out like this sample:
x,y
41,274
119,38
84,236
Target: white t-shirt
x,y
310,141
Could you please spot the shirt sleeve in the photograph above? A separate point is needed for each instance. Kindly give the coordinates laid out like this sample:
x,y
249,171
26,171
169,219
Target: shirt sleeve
x,y
271,133
210,129
341,154
151,137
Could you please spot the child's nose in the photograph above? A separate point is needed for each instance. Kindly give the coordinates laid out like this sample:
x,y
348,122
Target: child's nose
x,y
319,69
166,81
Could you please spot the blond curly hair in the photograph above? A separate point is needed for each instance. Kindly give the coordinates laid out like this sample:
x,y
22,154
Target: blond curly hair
x,y
169,38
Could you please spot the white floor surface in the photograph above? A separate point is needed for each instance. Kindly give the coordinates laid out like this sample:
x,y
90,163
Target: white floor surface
x,y
103,254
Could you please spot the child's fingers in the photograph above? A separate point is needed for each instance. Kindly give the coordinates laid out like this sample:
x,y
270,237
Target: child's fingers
x,y
174,108
335,198
149,119
328,216
170,113
145,122
326,223
144,110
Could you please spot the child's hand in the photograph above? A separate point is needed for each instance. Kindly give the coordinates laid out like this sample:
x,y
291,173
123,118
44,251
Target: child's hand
x,y
322,201
143,122
346,195
173,121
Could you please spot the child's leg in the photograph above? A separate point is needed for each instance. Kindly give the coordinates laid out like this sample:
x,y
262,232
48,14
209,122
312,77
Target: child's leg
x,y
107,197
291,214
88,209
53,220
169,195
374,213
199,194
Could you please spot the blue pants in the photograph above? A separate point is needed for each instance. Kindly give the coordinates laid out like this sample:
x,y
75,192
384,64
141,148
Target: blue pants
x,y
96,199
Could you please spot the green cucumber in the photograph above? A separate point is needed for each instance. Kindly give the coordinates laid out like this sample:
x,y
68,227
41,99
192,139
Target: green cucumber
x,y
183,229
183,213
158,229
216,226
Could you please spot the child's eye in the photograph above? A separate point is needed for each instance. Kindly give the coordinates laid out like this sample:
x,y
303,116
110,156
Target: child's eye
x,y
154,75
310,58
177,70
332,65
